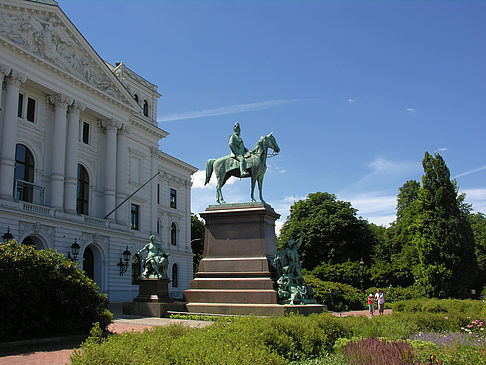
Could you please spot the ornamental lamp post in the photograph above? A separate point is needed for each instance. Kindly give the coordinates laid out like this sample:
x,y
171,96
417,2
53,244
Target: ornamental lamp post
x,y
361,269
75,251
124,265
7,236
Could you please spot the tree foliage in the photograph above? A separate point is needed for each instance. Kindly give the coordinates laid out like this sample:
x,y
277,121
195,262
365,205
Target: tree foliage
x,y
442,234
478,225
197,239
43,294
332,231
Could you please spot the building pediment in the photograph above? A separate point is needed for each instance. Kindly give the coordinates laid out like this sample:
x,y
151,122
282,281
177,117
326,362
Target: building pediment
x,y
45,33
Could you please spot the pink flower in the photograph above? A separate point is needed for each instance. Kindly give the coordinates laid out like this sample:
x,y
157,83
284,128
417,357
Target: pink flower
x,y
446,317
469,325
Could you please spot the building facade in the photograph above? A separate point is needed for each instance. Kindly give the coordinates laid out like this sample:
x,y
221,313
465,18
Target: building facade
x,y
79,136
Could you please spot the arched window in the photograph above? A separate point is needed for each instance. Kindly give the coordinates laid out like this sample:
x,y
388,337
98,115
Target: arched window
x,y
136,98
24,173
173,234
82,195
136,268
174,276
145,108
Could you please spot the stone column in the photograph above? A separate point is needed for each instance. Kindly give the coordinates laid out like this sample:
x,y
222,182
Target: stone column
x,y
4,71
153,206
58,154
71,163
110,165
9,133
121,213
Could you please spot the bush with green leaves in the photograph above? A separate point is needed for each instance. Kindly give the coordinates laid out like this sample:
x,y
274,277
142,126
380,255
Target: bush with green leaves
x,y
458,307
397,293
44,294
336,296
294,339
249,340
345,273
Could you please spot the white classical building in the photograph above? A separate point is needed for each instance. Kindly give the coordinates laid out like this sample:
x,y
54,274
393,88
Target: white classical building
x,y
79,136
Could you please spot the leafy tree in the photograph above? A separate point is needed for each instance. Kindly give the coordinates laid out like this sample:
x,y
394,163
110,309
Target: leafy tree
x,y
478,225
332,231
197,240
44,294
345,273
395,255
442,234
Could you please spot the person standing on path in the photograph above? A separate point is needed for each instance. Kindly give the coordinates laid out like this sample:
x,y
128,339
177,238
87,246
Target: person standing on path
x,y
370,305
381,301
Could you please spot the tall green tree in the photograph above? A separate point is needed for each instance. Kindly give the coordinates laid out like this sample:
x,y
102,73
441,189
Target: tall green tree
x,y
442,234
478,225
332,231
197,240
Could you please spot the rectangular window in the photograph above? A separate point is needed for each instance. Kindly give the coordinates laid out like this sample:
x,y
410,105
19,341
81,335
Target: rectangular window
x,y
158,193
30,109
134,216
20,106
173,198
85,132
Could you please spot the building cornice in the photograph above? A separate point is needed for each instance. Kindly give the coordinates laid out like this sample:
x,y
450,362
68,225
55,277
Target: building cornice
x,y
162,156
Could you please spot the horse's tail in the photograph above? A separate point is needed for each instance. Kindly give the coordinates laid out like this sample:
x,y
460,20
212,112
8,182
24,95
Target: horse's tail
x,y
209,170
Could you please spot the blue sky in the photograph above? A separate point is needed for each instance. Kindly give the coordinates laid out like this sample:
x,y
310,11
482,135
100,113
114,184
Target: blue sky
x,y
355,92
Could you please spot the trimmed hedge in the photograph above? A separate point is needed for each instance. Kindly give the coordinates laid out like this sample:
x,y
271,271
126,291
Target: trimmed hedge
x,y
44,294
456,307
253,340
336,296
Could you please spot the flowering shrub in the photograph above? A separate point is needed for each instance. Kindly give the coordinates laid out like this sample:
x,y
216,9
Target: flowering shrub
x,y
377,352
450,338
476,326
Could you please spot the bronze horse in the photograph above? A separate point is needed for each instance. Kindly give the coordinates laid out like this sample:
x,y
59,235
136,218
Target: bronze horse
x,y
256,164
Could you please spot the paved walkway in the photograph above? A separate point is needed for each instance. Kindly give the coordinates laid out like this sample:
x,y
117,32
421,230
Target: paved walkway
x,y
58,351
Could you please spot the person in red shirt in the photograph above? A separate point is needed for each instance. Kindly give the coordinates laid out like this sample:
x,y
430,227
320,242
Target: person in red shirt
x,y
370,305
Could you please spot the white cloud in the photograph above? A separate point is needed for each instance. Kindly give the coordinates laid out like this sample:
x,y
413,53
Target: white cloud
x,y
443,149
231,109
376,207
351,100
476,197
381,165
471,171
411,110
199,178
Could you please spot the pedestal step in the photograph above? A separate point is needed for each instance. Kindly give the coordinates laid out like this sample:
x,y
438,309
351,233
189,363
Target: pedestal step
x,y
247,283
230,296
271,310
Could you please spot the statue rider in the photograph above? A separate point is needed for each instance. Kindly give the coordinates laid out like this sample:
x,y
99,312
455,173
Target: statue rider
x,y
238,149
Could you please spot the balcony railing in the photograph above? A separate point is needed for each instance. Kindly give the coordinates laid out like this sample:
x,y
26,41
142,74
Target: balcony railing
x,y
30,192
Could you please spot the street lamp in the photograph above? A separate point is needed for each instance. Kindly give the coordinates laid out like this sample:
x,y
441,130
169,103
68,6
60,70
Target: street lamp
x,y
7,236
123,266
75,251
361,269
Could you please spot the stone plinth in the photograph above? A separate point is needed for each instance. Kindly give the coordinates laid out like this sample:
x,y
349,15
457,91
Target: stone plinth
x,y
153,290
267,310
239,248
152,309
153,300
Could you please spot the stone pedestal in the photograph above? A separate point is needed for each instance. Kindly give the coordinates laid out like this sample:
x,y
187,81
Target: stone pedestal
x,y
153,290
236,275
239,248
153,300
